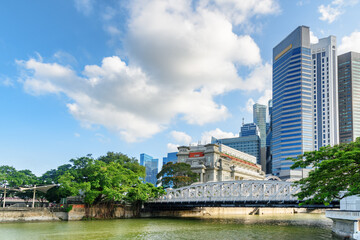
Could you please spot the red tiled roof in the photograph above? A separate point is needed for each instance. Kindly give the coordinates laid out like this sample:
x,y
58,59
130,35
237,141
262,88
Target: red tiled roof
x,y
240,160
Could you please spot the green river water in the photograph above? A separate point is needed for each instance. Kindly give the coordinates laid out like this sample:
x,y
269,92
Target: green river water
x,y
285,227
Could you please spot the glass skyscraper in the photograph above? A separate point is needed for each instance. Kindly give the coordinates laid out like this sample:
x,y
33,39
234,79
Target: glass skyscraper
x,y
325,89
249,129
292,109
171,157
349,96
151,167
259,118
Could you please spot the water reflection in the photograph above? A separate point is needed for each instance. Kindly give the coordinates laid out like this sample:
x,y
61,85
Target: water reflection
x,y
235,227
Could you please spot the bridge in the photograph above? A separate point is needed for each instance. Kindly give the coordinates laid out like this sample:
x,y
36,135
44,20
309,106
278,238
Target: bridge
x,y
244,193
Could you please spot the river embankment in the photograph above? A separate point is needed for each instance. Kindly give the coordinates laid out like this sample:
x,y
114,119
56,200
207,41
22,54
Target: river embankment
x,y
80,211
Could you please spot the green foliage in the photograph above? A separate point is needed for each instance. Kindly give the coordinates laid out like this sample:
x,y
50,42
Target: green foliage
x,y
68,208
111,178
14,178
335,169
176,175
108,179
129,163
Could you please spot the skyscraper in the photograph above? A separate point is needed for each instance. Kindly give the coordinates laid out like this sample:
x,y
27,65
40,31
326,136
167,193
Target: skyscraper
x,y
171,157
349,96
151,167
249,129
325,88
292,120
259,118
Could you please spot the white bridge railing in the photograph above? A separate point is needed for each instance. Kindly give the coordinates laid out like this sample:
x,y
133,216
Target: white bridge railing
x,y
246,190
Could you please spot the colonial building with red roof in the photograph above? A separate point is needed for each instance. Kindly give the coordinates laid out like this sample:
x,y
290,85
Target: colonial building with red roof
x,y
218,162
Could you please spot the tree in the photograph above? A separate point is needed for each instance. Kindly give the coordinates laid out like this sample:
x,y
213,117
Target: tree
x,y
176,175
13,178
52,177
107,180
335,169
125,161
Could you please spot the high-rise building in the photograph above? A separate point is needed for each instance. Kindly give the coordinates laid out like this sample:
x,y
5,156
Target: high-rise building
x,y
268,141
249,129
292,110
171,157
259,118
349,96
151,167
325,89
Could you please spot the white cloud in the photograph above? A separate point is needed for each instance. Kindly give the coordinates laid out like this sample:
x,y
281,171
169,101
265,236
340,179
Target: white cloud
x,y
84,6
350,43
313,38
77,135
171,147
181,137
217,133
333,10
249,105
180,57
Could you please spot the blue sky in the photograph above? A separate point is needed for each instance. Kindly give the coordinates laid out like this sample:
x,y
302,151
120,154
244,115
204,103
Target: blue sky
x,y
87,76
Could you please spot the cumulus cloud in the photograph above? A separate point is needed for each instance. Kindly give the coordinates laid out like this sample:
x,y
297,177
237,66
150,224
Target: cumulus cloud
x,y
171,147
181,55
181,137
217,133
313,39
350,43
333,10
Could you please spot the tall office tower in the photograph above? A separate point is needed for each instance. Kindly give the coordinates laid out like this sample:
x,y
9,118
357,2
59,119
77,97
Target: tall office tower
x,y
349,96
171,157
325,89
292,122
151,167
259,118
268,141
249,129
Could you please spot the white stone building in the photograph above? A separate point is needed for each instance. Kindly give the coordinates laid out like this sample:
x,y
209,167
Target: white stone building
x,y
216,163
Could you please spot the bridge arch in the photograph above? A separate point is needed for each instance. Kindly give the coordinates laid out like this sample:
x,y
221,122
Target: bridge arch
x,y
231,191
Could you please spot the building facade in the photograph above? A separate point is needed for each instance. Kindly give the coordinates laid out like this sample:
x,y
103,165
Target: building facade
x,y
259,118
292,103
248,144
249,129
349,96
151,167
171,157
216,163
325,92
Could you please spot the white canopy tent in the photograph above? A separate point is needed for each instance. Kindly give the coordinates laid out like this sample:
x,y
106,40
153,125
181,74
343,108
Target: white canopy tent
x,y
43,189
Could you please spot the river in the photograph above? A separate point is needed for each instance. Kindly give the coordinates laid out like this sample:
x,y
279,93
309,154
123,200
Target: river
x,y
285,227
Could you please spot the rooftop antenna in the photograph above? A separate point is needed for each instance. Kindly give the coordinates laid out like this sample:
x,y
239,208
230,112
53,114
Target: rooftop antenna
x,y
243,121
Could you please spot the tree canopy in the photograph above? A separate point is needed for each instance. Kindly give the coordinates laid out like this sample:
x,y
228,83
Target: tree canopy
x,y
176,175
335,170
111,178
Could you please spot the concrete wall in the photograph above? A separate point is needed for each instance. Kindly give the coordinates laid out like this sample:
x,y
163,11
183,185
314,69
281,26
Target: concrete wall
x,y
29,214
78,212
